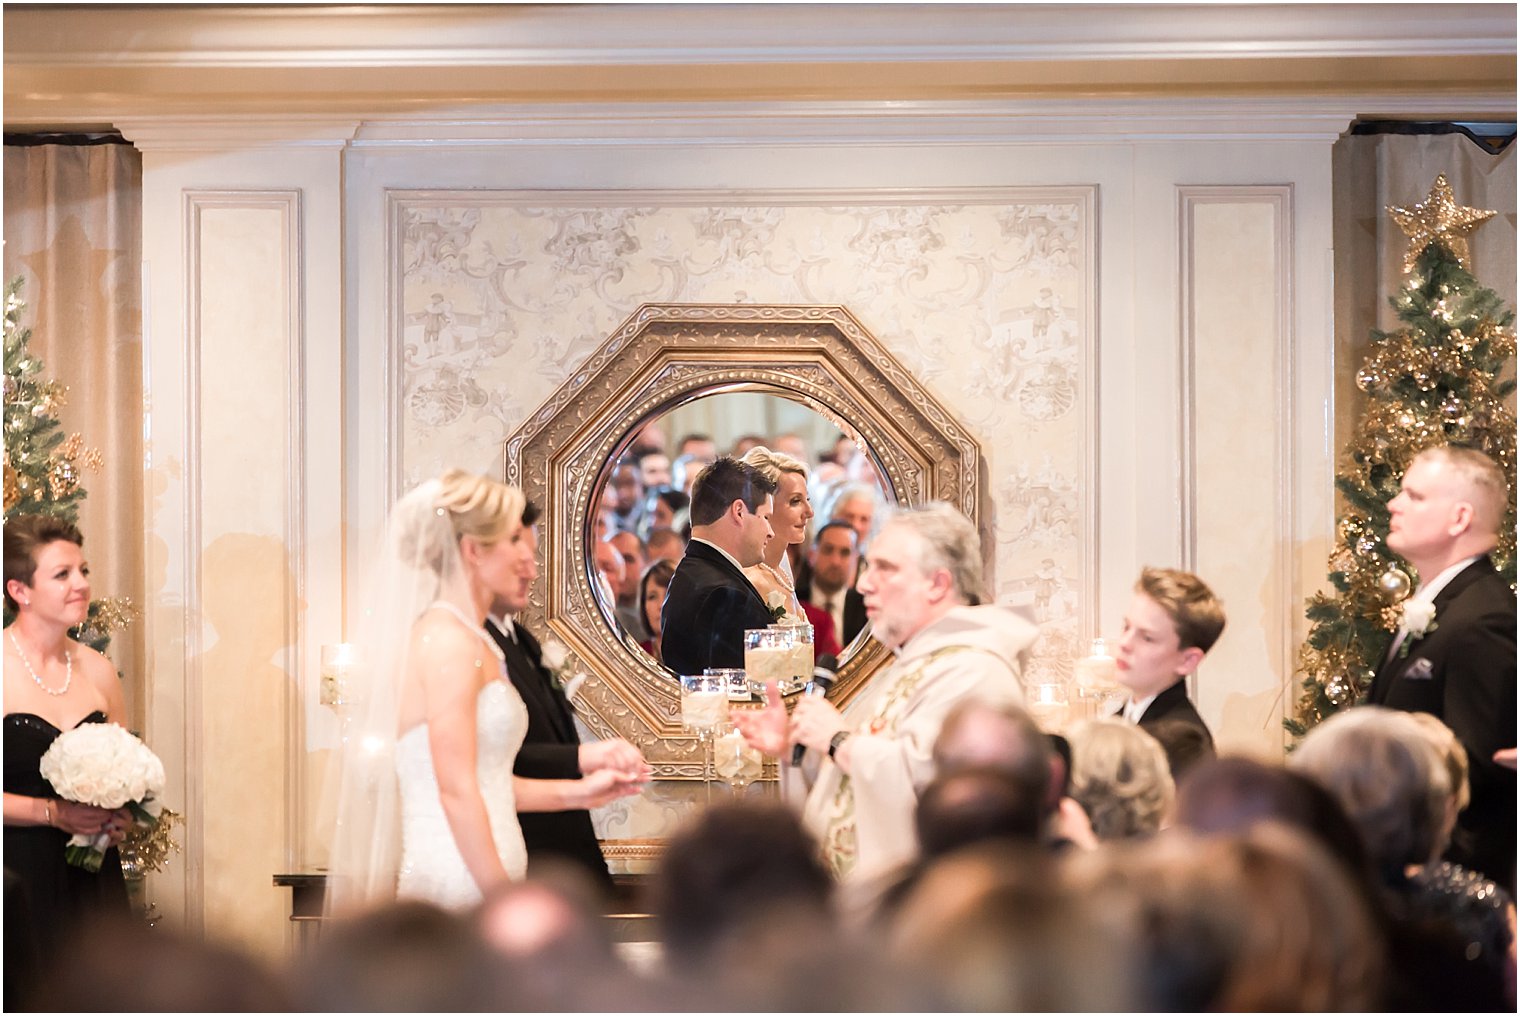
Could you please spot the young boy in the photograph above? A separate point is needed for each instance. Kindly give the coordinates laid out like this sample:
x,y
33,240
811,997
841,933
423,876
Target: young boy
x,y
1171,623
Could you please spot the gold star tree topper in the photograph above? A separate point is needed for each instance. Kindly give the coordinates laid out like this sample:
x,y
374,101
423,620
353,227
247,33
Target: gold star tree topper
x,y
1438,219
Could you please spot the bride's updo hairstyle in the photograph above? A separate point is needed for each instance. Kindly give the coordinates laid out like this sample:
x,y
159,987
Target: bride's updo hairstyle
x,y
479,507
429,522
772,464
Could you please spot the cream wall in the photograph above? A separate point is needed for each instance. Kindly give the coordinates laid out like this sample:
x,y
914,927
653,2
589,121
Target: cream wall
x,y
274,439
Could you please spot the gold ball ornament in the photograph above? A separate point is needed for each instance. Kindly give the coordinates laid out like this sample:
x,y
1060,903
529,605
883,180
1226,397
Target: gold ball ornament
x,y
1338,690
1394,583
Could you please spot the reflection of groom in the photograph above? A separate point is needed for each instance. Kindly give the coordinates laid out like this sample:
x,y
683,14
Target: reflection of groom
x,y
1460,666
710,603
551,749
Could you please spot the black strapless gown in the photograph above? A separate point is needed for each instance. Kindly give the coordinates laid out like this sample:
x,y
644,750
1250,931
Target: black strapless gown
x,y
55,895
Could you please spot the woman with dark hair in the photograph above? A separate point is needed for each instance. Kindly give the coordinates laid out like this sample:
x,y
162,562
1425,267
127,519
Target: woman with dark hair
x,y
652,586
53,684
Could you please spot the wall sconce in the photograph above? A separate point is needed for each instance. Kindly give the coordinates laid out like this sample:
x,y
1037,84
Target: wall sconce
x,y
337,664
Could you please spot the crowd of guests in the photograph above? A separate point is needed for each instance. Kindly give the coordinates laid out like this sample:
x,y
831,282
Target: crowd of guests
x,y
1314,885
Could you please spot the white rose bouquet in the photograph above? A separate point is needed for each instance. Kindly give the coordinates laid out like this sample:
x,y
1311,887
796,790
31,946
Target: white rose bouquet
x,y
103,765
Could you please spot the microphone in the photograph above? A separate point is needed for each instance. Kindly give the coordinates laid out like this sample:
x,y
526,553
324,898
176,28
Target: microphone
x,y
824,672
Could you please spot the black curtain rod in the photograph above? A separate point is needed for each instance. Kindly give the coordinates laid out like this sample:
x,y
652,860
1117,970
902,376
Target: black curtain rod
x,y
60,138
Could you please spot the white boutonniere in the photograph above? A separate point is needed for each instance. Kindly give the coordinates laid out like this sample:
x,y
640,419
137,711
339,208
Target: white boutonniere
x,y
556,660
776,601
1419,621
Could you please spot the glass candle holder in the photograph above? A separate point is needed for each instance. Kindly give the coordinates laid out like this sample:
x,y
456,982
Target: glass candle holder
x,y
768,656
704,703
1050,707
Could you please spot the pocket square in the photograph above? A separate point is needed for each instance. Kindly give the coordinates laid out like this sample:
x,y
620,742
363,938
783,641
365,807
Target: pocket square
x,y
1419,670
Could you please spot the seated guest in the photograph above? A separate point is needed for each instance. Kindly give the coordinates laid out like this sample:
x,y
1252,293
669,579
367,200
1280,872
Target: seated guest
x,y
793,445
684,470
745,444
994,928
625,495
665,545
665,508
652,587
855,504
609,573
867,765
726,872
700,448
654,470
1395,787
631,549
1173,620
1265,921
710,603
772,577
1120,778
830,584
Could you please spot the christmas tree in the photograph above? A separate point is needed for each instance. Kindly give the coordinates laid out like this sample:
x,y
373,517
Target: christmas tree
x,y
42,463
1438,379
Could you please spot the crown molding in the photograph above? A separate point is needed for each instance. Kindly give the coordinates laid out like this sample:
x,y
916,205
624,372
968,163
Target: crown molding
x,y
388,36
85,67
811,124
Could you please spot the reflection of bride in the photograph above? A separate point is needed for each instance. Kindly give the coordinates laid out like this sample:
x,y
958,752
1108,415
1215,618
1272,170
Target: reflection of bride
x,y
772,577
427,805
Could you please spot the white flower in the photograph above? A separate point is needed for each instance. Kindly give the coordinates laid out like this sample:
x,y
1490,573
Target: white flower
x,y
555,655
103,765
1419,617
776,599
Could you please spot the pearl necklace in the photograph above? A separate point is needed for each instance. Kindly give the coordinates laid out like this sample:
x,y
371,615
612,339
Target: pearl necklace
x,y
780,578
68,675
475,627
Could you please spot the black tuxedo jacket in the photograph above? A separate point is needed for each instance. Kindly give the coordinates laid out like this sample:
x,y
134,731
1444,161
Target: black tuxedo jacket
x,y
1170,707
1463,672
550,751
854,608
707,608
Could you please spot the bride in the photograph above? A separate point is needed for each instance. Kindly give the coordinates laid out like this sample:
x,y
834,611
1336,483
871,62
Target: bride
x,y
427,803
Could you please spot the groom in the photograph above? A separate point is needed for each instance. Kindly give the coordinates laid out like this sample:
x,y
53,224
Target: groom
x,y
710,603
551,748
1455,655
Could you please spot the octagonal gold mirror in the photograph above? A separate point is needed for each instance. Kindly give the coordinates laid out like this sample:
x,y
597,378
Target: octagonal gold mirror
x,y
668,356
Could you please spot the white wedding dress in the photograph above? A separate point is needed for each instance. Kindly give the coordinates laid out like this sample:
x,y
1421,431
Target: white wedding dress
x,y
431,867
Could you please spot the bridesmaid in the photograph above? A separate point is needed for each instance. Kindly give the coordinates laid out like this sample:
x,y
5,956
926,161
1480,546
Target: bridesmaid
x,y
53,684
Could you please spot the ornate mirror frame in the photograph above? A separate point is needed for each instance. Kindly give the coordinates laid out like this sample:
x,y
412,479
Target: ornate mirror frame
x,y
663,356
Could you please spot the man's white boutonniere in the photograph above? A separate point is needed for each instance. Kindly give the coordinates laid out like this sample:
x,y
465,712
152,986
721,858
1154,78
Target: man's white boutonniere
x,y
776,601
1419,621
556,660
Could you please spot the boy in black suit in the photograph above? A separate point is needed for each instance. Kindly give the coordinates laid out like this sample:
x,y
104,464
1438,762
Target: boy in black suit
x,y
1173,620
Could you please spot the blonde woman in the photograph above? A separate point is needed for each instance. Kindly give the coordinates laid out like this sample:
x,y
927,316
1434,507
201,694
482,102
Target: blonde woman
x,y
772,577
428,805
1120,777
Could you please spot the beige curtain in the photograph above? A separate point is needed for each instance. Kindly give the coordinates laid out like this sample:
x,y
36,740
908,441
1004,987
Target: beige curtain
x,y
73,231
1372,172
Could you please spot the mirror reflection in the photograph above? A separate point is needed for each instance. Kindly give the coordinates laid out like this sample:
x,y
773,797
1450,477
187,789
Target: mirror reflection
x,y
829,500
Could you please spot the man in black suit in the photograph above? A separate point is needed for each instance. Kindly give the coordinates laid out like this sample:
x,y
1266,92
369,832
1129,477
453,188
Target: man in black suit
x,y
830,585
551,749
1173,620
710,603
1454,656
